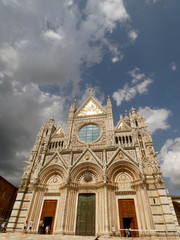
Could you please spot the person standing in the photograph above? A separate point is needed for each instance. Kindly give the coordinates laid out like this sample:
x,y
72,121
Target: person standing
x,y
41,225
126,232
3,226
47,229
129,232
31,225
113,230
25,226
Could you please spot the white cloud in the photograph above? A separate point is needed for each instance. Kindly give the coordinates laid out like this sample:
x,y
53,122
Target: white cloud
x,y
113,10
173,66
142,87
49,34
170,161
156,118
115,59
46,45
136,74
127,93
133,35
50,38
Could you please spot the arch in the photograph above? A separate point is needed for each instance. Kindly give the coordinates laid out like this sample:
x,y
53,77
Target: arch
x,y
48,172
92,168
122,166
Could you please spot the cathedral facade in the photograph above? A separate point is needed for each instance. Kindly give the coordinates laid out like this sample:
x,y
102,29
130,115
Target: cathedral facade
x,y
95,178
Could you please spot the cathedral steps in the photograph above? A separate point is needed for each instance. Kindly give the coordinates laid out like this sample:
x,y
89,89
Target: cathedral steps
x,y
21,236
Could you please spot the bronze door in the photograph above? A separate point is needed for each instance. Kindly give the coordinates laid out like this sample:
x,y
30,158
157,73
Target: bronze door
x,y
127,216
48,214
85,225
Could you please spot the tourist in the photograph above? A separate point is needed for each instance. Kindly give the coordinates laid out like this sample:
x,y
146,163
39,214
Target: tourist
x,y
25,227
3,227
41,226
30,225
126,232
47,229
129,232
113,230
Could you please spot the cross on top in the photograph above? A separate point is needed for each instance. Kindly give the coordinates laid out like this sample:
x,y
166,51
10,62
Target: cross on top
x,y
91,91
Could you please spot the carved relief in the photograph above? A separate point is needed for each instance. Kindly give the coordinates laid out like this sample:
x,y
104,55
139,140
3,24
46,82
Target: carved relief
x,y
90,109
87,177
99,155
124,181
56,179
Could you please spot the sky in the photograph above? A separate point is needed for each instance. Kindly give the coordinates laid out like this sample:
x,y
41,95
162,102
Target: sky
x,y
52,52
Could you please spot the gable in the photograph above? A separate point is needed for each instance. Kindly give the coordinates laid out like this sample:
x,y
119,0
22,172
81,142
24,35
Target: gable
x,y
90,107
122,126
59,132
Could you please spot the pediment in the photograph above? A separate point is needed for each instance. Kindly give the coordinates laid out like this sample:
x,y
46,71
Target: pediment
x,y
121,155
122,126
91,107
59,132
56,159
87,156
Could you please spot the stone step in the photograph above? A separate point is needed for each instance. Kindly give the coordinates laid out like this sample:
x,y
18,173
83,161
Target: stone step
x,y
22,236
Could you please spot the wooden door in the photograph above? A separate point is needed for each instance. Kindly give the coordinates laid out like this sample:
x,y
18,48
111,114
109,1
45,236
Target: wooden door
x,y
48,213
127,216
85,225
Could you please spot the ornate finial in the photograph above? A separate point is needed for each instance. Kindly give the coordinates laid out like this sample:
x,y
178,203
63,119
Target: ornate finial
x,y
74,101
91,91
125,112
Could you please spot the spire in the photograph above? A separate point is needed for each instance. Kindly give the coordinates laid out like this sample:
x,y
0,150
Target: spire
x,y
109,105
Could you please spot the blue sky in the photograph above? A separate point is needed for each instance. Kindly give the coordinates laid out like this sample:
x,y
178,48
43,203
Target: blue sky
x,y
52,52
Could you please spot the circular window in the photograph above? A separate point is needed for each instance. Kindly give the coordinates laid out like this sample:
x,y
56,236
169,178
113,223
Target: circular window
x,y
89,133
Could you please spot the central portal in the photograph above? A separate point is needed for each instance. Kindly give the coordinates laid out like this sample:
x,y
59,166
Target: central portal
x,y
85,225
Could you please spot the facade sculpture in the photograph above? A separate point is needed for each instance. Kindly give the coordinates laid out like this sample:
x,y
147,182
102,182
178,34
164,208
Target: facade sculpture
x,y
93,176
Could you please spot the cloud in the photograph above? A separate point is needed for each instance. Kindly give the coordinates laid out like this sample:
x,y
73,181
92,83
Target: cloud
x,y
128,92
9,57
152,1
156,118
169,158
67,39
173,66
50,34
23,110
48,46
136,75
133,35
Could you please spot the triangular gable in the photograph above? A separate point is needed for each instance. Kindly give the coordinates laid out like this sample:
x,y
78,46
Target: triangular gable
x,y
92,157
59,132
90,107
120,151
56,159
122,126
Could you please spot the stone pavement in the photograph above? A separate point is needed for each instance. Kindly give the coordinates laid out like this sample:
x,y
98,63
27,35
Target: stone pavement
x,y
21,236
